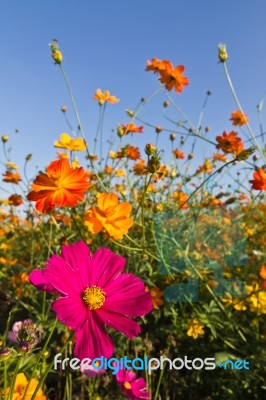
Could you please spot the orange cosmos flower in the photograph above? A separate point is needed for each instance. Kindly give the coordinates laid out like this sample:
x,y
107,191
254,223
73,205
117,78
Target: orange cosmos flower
x,y
263,272
140,168
239,118
69,143
132,153
172,78
230,143
110,215
156,296
181,199
157,66
124,129
11,177
259,181
219,157
179,154
15,200
104,97
61,186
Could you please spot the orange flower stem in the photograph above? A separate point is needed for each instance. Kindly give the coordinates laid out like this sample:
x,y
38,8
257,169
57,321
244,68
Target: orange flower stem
x,y
255,143
38,360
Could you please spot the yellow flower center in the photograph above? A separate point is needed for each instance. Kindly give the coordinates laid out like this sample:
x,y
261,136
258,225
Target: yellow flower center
x,y
94,297
127,385
20,389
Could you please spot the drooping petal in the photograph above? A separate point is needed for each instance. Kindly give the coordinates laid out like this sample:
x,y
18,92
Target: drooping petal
x,y
92,340
71,311
38,280
119,322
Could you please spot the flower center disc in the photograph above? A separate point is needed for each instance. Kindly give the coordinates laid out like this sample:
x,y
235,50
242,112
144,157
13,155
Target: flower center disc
x,y
20,389
127,385
94,297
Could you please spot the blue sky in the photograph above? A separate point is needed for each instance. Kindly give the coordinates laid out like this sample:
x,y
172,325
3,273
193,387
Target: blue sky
x,y
106,44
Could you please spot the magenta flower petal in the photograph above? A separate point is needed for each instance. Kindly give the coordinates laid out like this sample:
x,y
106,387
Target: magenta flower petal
x,y
93,341
62,276
119,322
38,280
107,266
78,257
133,387
126,295
71,311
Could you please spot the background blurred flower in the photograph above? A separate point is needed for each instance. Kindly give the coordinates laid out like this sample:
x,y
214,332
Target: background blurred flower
x,y
26,334
259,181
21,383
105,97
195,328
239,118
134,388
229,143
69,143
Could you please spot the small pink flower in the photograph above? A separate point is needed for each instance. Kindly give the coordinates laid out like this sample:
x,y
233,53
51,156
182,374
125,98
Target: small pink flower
x,y
93,293
133,387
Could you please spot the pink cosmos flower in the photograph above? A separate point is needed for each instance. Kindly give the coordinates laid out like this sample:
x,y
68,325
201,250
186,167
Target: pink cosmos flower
x,y
134,388
93,293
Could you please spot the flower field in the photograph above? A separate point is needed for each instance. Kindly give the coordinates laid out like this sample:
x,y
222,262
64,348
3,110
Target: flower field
x,y
121,251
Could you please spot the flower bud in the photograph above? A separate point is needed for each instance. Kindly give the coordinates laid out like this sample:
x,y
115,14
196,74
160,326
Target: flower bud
x,y
150,149
5,138
130,113
222,52
153,164
28,157
172,137
158,129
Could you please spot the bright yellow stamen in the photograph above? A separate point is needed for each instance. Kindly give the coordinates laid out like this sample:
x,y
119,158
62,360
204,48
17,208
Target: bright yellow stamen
x,y
94,297
127,385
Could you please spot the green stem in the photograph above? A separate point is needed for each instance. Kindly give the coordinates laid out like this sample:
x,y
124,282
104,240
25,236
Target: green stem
x,y
72,100
159,383
40,357
41,381
10,394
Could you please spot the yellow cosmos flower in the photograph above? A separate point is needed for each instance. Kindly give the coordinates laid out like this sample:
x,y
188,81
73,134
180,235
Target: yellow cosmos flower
x,y
110,215
104,97
69,143
195,328
20,387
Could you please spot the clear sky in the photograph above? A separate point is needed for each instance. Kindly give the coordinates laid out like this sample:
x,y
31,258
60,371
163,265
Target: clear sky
x,y
106,44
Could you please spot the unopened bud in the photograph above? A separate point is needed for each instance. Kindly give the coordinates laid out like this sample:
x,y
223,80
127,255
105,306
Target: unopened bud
x,y
5,138
150,149
172,137
222,52
130,113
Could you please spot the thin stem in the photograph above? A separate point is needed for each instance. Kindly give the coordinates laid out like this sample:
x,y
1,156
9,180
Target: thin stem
x,y
72,100
240,108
